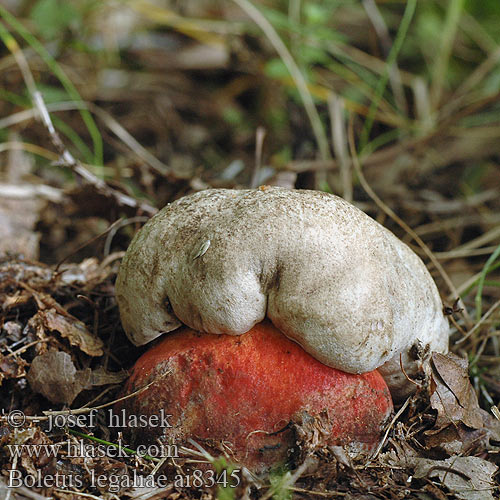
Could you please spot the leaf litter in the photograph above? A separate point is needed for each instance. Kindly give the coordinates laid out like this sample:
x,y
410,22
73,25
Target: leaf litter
x,y
443,441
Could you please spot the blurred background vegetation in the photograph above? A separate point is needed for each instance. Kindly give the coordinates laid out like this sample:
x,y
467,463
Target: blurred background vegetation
x,y
156,98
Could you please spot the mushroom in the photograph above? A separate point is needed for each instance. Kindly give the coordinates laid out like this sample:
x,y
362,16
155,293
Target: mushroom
x,y
327,275
259,395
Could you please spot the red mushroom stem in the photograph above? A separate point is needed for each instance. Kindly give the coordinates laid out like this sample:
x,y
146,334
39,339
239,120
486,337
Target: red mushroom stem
x,y
252,392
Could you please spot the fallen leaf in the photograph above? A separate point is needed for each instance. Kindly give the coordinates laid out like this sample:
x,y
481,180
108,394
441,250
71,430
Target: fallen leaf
x,y
54,375
13,330
468,478
17,270
72,329
86,272
454,372
462,440
453,396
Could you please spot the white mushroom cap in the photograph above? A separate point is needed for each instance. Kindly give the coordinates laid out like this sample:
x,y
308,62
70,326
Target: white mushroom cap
x,y
326,274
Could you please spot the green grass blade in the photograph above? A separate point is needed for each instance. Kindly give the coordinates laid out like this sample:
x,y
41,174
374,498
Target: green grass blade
x,y
318,129
382,84
77,141
114,445
52,64
452,20
480,285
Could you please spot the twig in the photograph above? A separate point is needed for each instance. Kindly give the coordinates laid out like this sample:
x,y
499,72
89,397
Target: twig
x,y
30,191
486,315
115,227
380,157
326,494
471,282
471,82
135,147
389,427
414,382
461,253
83,245
78,494
25,347
30,148
78,411
260,135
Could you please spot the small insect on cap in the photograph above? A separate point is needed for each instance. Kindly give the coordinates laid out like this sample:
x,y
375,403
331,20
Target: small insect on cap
x,y
326,274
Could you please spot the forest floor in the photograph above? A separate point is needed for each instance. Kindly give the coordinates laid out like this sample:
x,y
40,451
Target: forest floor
x,y
109,112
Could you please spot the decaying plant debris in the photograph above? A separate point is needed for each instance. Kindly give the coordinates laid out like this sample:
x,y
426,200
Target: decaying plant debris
x,y
62,346
443,441
179,94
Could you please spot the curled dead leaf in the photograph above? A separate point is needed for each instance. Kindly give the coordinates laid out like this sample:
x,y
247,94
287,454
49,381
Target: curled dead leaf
x,y
72,329
468,478
453,396
54,375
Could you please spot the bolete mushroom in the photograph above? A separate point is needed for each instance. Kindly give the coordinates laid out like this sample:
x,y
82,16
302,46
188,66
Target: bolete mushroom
x,y
327,275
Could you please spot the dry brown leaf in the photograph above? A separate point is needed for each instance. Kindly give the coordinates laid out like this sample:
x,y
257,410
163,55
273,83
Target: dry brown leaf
x,y
468,478
454,372
462,440
453,397
54,375
435,492
74,330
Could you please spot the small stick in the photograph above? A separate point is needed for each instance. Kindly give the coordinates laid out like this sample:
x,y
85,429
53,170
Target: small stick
x,y
260,135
